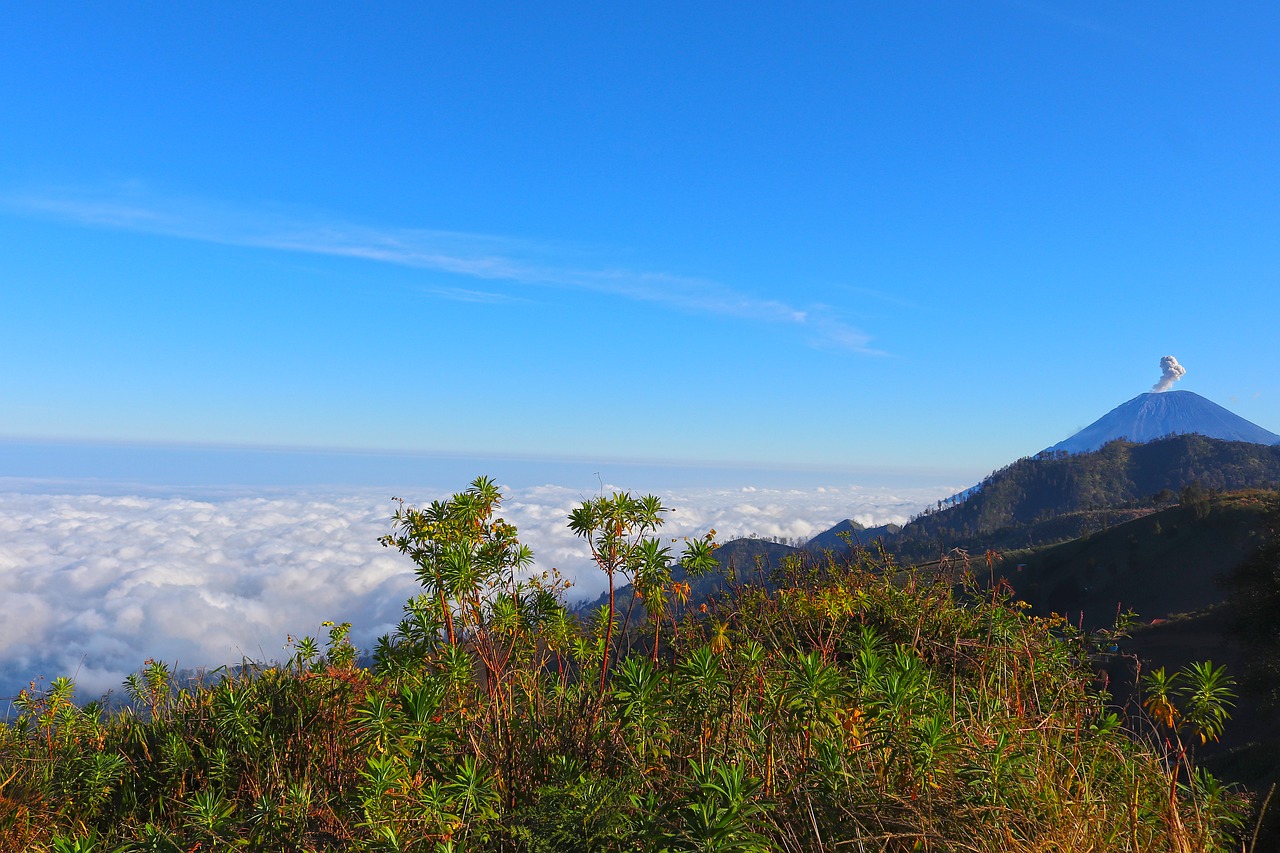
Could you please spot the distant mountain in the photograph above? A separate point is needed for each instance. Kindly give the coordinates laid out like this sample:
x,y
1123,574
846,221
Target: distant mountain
x,y
1156,415
751,560
849,533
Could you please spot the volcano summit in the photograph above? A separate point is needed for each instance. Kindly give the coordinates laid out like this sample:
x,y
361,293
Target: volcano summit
x,y
1157,414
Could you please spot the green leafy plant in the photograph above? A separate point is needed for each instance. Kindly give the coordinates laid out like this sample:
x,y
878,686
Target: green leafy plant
x,y
851,704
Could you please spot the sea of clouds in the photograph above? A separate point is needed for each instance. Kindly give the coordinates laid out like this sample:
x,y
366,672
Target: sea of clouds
x,y
96,580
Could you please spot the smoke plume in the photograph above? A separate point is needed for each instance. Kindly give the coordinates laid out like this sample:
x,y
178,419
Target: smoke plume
x,y
1170,372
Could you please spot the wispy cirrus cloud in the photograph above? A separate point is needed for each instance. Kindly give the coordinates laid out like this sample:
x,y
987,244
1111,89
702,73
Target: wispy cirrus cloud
x,y
500,260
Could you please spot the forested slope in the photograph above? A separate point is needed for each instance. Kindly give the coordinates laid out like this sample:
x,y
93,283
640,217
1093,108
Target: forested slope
x,y
1036,489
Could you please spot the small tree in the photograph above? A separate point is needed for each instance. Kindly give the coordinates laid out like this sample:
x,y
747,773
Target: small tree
x,y
1198,699
616,528
619,530
467,561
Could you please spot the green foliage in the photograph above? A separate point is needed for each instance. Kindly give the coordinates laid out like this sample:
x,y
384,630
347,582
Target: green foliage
x,y
852,706
720,814
1208,696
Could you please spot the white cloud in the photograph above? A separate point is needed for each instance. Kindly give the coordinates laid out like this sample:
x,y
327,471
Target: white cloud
x,y
94,584
476,256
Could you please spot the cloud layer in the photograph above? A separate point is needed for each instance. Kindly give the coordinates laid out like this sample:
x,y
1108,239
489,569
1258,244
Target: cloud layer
x,y
94,584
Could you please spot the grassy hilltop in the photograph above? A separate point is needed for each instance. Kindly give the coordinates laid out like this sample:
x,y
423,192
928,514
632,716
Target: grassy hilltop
x,y
850,705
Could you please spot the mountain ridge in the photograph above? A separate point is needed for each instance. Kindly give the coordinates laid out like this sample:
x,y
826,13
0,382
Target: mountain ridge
x,y
1049,491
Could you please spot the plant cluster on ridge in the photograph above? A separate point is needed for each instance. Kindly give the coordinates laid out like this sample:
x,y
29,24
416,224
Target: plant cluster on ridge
x,y
851,706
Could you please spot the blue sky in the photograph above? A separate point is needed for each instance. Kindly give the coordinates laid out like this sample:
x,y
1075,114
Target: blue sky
x,y
877,236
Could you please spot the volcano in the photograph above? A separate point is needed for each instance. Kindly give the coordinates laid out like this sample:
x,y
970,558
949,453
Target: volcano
x,y
1155,415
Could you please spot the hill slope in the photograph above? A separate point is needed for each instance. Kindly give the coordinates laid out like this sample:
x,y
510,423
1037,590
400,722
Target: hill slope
x,y
1163,563
1041,489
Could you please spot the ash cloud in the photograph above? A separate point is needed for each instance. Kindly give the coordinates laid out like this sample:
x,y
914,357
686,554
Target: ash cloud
x,y
94,584
1170,372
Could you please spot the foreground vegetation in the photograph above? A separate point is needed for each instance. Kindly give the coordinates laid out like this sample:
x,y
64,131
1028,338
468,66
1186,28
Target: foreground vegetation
x,y
851,706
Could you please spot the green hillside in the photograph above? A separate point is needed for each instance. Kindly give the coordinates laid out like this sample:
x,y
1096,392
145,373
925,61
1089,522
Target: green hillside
x,y
1038,498
850,707
1162,563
